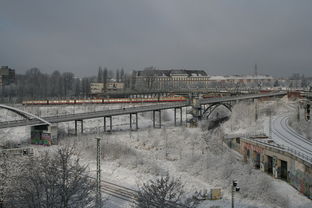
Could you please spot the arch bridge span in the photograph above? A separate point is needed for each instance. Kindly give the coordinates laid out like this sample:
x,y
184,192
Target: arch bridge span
x,y
24,114
211,108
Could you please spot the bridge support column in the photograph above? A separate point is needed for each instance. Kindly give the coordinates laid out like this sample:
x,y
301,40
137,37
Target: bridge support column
x,y
136,121
110,124
153,119
175,116
159,118
76,127
159,114
196,111
44,134
104,123
81,125
181,116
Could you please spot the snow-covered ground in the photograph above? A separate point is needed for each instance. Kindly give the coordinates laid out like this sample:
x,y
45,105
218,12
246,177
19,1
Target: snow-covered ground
x,y
196,156
298,122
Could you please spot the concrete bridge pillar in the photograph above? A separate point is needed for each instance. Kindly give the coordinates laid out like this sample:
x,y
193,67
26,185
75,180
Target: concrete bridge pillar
x,y
44,134
181,116
262,162
175,116
276,167
159,114
105,124
110,123
154,118
136,121
81,125
196,111
76,126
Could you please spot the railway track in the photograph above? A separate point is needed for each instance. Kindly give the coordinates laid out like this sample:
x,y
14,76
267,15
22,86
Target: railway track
x,y
128,194
283,132
119,192
296,134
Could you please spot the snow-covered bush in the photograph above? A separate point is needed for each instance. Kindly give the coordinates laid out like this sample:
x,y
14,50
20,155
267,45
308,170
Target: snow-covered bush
x,y
163,192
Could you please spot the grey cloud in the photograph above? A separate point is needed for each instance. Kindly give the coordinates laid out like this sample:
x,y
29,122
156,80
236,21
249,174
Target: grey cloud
x,y
222,37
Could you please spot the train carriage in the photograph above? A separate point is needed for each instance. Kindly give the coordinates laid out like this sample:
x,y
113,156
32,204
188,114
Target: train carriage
x,y
104,101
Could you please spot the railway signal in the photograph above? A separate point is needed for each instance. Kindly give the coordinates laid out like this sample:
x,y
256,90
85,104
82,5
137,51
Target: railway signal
x,y
235,188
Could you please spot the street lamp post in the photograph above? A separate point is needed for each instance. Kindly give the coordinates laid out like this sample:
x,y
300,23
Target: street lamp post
x,y
235,188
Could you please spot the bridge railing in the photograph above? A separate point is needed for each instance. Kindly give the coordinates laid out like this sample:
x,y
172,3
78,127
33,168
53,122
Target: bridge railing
x,y
283,148
121,110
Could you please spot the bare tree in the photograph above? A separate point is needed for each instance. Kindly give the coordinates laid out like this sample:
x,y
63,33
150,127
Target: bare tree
x,y
4,178
52,181
117,76
100,75
77,87
105,78
122,75
68,79
164,192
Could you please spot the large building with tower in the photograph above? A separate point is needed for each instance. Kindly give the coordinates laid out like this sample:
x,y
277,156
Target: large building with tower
x,y
7,76
152,79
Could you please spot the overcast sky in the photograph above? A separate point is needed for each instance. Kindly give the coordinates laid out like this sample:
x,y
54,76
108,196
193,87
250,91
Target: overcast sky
x,y
221,37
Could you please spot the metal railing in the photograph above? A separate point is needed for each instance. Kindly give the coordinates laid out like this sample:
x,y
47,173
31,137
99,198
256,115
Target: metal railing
x,y
283,148
115,112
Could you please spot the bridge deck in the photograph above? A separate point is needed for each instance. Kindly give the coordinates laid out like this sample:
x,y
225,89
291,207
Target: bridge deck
x,y
125,111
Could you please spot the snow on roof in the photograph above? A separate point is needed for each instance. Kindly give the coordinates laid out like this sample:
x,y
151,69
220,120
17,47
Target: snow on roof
x,y
236,77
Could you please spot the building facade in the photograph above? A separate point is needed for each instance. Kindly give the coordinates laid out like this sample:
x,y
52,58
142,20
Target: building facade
x,y
7,76
170,79
97,88
249,81
194,79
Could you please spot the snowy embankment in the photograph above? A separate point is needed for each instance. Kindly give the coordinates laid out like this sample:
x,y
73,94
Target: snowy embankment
x,y
298,122
196,156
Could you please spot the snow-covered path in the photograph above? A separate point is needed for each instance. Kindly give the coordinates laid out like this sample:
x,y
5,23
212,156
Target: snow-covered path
x,y
283,134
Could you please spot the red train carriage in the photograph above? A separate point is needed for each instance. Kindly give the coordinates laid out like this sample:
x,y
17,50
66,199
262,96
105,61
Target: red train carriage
x,y
104,101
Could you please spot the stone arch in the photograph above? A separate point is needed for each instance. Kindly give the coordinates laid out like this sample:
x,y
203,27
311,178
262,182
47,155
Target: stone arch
x,y
207,112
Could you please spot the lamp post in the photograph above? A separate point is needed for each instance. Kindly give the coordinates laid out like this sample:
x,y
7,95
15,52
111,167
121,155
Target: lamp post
x,y
235,188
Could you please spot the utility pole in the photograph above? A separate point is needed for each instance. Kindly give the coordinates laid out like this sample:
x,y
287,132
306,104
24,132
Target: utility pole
x,y
270,125
98,173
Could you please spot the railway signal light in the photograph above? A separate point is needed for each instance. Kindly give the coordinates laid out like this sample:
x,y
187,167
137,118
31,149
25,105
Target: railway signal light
x,y
235,188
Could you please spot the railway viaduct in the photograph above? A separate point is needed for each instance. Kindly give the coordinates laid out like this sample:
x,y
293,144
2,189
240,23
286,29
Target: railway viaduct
x,y
200,108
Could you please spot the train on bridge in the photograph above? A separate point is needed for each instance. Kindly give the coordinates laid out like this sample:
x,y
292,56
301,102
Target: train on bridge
x,y
105,101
